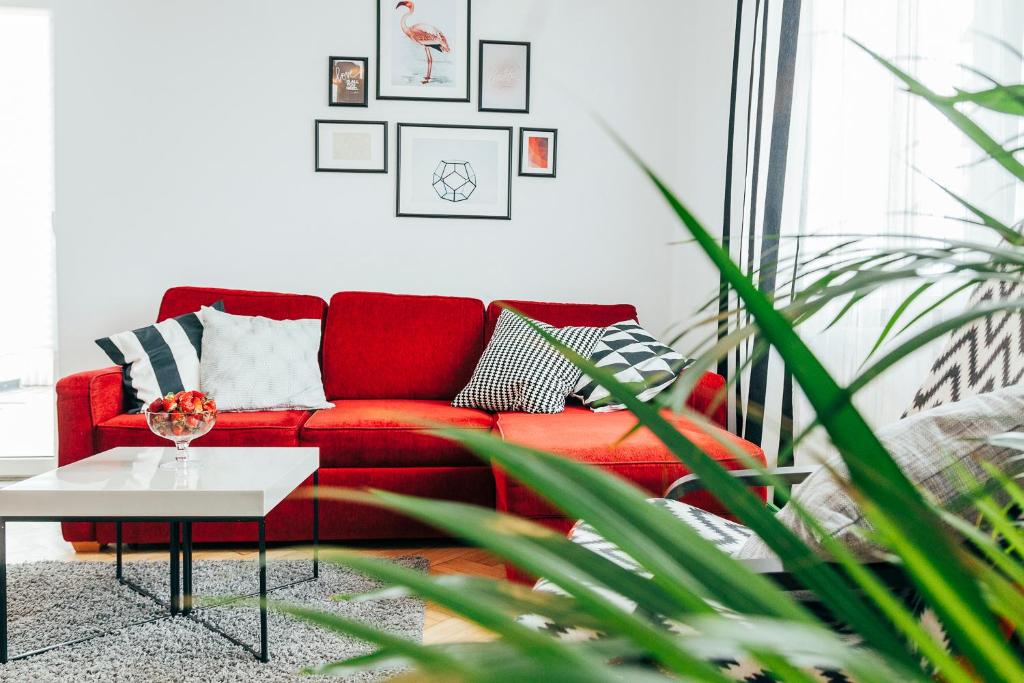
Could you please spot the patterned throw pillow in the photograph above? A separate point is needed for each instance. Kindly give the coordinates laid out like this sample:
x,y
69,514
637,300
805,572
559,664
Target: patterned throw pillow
x,y
255,363
158,359
981,356
637,359
520,371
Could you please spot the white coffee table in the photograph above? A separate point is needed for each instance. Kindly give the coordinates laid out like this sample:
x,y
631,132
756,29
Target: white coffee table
x,y
129,485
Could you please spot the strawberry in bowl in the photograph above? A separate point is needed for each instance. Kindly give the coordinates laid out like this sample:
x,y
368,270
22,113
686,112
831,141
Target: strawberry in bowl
x,y
181,417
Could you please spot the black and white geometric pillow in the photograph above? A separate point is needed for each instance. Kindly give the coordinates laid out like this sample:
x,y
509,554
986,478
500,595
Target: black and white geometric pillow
x,y
520,371
637,359
158,359
982,356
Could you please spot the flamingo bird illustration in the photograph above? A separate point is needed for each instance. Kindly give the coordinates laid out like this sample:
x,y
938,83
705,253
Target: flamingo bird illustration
x,y
430,37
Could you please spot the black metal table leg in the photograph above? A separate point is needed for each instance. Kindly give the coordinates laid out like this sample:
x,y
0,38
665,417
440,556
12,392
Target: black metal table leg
x,y
316,524
3,591
175,552
264,650
186,567
180,571
120,567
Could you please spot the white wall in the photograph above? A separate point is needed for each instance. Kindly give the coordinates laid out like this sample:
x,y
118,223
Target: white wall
x,y
184,156
704,78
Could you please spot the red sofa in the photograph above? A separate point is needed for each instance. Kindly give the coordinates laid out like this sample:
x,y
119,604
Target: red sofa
x,y
390,363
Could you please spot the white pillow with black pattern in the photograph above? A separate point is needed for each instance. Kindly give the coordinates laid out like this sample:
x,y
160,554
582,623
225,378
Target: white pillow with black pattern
x,y
637,359
158,359
520,371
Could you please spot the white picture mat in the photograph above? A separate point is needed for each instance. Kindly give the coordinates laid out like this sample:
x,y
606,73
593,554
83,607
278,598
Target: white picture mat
x,y
341,137
422,148
504,79
402,63
525,148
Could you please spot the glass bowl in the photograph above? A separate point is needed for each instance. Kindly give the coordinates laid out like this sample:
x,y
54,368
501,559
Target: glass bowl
x,y
181,428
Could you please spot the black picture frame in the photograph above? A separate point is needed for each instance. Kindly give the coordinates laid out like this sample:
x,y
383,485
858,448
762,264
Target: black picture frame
x,y
316,147
468,45
330,81
554,163
480,77
398,174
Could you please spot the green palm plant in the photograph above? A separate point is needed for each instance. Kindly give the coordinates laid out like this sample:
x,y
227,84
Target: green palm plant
x,y
723,609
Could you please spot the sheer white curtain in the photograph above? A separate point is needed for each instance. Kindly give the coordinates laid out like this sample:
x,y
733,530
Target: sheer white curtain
x,y
868,150
27,277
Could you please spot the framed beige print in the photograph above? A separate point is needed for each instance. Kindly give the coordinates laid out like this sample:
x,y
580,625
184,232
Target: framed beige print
x,y
503,83
351,146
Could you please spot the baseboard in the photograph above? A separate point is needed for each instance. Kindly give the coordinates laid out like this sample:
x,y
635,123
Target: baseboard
x,y
20,468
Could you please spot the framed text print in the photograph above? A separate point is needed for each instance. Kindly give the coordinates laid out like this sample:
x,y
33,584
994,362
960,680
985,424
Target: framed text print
x,y
346,85
352,146
504,76
423,50
454,171
538,152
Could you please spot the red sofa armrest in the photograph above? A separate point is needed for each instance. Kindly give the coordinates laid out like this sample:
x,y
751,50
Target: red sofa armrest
x,y
709,398
84,400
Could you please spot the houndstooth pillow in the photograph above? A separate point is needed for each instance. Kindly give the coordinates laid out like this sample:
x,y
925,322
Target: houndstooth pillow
x,y
520,371
255,363
637,359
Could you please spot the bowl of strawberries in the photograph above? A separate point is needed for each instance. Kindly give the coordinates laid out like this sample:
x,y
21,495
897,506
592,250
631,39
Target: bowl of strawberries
x,y
181,417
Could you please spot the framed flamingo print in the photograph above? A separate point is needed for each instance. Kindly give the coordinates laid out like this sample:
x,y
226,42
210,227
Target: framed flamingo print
x,y
423,50
538,152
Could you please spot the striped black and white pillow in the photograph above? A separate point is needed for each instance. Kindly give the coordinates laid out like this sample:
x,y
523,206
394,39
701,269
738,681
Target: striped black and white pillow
x,y
158,359
637,359
520,371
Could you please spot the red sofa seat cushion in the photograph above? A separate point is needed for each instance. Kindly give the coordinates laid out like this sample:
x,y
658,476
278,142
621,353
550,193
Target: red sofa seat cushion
x,y
400,346
594,438
391,433
181,300
262,428
561,315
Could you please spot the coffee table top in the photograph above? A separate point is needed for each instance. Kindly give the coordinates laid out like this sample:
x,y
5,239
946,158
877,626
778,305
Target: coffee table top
x,y
129,483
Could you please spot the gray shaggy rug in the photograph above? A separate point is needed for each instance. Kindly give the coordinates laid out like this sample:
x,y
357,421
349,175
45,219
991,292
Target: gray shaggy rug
x,y
51,602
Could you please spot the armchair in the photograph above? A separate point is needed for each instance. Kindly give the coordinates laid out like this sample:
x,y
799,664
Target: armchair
x,y
891,575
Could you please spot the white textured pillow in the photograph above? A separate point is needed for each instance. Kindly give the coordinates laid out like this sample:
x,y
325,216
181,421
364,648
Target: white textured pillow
x,y
940,450
255,363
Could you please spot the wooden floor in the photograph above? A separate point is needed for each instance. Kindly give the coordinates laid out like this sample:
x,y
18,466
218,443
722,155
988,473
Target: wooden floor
x,y
31,541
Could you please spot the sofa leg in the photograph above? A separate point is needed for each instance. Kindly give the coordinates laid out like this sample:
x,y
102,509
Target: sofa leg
x,y
86,546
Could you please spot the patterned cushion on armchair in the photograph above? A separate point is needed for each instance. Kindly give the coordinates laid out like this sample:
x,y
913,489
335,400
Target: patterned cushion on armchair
x,y
729,537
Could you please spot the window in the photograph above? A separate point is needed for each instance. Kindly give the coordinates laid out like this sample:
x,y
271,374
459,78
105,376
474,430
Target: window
x,y
27,265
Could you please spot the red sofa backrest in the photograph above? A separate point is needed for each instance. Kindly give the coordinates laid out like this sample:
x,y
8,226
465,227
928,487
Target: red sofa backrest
x,y
181,300
561,315
400,346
